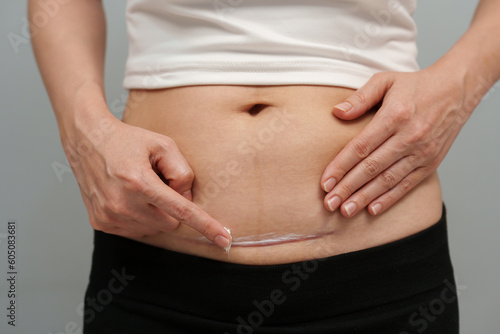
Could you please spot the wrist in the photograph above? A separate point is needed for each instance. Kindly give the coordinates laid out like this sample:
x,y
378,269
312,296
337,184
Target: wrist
x,y
86,111
468,83
470,65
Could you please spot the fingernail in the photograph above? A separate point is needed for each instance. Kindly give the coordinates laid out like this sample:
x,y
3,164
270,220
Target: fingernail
x,y
344,106
333,203
376,208
350,208
223,242
329,184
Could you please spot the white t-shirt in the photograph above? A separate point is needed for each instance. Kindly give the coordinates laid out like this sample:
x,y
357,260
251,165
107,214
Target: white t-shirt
x,y
267,42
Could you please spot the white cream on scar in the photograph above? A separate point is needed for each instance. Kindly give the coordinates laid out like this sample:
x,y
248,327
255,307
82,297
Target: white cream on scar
x,y
270,239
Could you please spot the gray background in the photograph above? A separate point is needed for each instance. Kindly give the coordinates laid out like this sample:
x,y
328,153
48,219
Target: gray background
x,y
55,239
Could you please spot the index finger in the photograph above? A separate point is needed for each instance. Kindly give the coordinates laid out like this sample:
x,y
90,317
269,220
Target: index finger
x,y
185,211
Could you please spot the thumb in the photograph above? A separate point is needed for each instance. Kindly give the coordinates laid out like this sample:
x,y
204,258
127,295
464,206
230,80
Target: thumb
x,y
174,168
365,98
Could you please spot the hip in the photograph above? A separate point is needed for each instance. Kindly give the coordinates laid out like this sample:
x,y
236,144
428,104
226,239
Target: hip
x,y
377,290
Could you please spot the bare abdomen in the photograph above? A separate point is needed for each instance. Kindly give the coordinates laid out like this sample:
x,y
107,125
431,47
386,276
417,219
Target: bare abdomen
x,y
258,153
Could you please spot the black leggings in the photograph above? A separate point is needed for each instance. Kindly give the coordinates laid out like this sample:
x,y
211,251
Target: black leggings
x,y
403,287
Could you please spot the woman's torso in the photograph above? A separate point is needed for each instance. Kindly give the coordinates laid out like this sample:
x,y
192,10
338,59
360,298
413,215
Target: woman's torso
x,y
257,171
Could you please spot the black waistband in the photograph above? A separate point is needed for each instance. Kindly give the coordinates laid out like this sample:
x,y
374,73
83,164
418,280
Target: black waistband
x,y
302,291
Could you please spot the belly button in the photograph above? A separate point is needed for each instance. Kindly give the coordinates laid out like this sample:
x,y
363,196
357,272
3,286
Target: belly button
x,y
257,108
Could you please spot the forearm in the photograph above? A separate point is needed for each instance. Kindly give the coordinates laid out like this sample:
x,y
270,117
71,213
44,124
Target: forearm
x,y
474,60
70,54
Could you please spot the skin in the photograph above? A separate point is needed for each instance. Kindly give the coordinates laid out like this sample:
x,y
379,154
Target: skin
x,y
116,164
420,116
